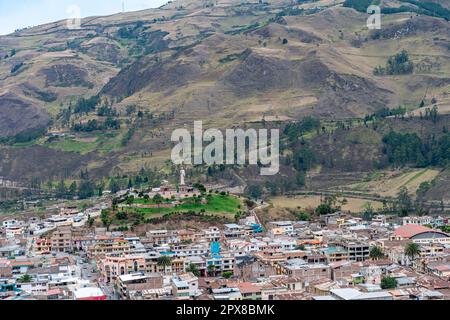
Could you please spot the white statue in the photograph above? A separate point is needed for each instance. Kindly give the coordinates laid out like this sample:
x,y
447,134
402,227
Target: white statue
x,y
182,177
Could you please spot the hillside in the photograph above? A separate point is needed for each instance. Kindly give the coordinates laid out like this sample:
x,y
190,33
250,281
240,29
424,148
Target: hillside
x,y
110,93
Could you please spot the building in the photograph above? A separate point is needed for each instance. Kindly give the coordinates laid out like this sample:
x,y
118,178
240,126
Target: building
x,y
185,286
335,254
424,220
420,234
112,247
281,227
89,293
343,270
300,269
140,285
11,223
355,294
61,240
110,267
43,246
227,294
250,291
357,250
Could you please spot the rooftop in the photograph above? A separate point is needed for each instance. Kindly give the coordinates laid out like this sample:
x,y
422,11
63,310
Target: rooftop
x,y
410,230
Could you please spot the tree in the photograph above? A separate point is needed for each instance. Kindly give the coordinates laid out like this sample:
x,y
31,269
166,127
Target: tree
x,y
121,215
90,222
404,202
114,186
86,189
227,274
368,211
303,158
164,261
300,179
61,190
324,208
26,278
254,191
73,188
303,216
396,65
211,270
423,189
412,250
200,187
194,269
388,283
158,198
104,217
376,253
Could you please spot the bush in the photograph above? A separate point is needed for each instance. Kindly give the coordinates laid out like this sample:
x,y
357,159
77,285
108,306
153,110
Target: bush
x,y
388,283
398,64
16,67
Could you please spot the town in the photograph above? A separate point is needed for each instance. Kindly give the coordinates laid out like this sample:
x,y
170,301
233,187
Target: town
x,y
336,256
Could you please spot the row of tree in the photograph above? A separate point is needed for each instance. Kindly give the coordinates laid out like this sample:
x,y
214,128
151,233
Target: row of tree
x,y
409,149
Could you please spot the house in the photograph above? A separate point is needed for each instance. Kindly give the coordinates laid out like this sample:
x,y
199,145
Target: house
x,y
335,254
5,269
110,267
250,291
281,227
134,285
421,221
185,286
355,294
308,272
233,230
14,231
321,287
357,250
43,246
343,270
61,240
440,269
11,223
228,294
89,293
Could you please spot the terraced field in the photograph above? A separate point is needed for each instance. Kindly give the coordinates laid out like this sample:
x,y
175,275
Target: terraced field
x,y
388,184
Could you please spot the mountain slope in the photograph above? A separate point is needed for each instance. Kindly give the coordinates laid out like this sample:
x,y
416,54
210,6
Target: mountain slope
x,y
225,62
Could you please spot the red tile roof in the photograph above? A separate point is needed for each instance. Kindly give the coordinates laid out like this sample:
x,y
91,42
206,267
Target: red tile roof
x,y
410,230
248,287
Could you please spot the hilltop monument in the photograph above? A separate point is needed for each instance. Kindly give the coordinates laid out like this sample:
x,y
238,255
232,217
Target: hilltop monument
x,y
183,187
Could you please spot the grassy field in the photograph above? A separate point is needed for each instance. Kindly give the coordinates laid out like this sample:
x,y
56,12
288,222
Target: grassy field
x,y
304,202
71,145
217,204
101,142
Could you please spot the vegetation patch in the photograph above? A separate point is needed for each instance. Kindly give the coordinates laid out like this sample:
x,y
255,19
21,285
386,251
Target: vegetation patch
x,y
216,204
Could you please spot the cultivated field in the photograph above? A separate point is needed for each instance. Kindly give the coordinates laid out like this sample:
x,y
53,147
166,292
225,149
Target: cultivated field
x,y
304,202
388,184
